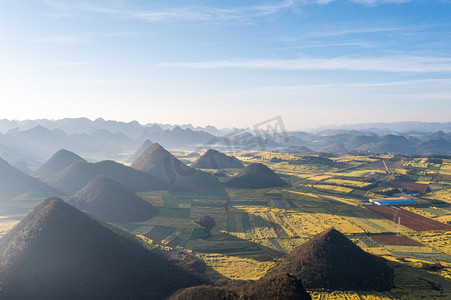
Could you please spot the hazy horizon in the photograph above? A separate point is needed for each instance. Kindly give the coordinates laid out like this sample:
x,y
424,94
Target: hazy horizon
x,y
315,63
345,126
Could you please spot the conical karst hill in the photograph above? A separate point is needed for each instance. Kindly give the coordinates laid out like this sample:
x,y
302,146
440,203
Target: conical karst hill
x,y
159,163
256,176
59,252
331,261
80,173
213,159
58,162
147,143
111,201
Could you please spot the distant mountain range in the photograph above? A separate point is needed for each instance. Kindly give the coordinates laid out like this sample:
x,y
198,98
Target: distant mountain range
x,y
424,143
35,140
85,125
383,128
31,142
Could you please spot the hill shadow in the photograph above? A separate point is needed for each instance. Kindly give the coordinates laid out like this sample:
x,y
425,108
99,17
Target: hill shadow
x,y
231,245
412,282
219,192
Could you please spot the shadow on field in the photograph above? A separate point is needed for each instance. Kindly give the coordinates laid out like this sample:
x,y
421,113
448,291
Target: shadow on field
x,y
412,281
231,245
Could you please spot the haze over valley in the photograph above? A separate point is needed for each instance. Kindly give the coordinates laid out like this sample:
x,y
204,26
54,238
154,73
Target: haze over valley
x,y
234,212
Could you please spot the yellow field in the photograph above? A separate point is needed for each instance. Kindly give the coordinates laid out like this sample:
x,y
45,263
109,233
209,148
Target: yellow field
x,y
446,168
334,188
235,267
443,195
361,173
264,224
336,295
319,177
437,240
418,163
258,226
348,183
419,211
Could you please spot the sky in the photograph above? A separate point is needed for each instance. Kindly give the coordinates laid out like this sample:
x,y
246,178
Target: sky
x,y
227,63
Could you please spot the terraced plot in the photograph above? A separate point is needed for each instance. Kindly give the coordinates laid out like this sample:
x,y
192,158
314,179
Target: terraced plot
x,y
159,233
409,219
395,240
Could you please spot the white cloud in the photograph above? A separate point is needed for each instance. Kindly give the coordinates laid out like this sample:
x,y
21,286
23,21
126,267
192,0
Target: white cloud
x,y
66,6
324,1
187,13
409,64
70,64
376,2
316,44
196,13
442,86
356,30
61,39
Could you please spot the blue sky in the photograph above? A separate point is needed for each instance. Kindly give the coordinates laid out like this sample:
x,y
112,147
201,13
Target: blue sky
x,y
226,63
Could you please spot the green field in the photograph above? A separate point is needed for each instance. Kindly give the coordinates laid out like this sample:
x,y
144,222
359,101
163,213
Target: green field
x,y
268,223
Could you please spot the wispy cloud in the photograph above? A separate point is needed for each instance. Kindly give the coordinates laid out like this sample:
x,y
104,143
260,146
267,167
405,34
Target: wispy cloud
x,y
119,34
329,32
438,89
156,13
432,96
434,83
69,64
410,64
194,13
86,37
377,2
215,14
316,44
180,14
67,7
61,39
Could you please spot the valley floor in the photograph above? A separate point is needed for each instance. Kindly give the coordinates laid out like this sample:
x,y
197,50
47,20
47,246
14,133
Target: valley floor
x,y
255,227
